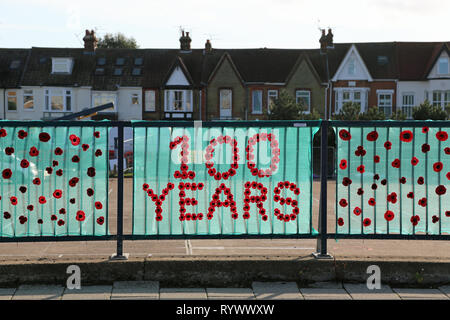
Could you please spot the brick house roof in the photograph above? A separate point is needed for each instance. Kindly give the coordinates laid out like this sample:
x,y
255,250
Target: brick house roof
x,y
12,64
384,60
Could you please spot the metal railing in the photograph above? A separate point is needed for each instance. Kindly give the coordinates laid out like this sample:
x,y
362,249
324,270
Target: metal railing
x,y
364,127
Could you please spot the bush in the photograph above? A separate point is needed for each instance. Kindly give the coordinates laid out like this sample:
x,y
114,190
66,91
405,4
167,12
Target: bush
x,y
426,111
399,115
286,108
352,111
373,113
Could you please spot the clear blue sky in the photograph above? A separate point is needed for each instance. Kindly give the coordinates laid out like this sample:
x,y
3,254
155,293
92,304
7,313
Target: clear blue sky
x,y
229,24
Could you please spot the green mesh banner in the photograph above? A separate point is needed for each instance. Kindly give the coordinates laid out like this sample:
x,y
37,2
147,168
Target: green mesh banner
x,y
54,181
222,181
393,180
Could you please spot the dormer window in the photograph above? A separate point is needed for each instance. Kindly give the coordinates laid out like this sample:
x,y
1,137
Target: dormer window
x,y
382,60
14,64
120,61
62,65
136,72
101,61
443,66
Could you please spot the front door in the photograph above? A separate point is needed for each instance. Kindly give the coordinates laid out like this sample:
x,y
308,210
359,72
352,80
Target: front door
x,y
226,105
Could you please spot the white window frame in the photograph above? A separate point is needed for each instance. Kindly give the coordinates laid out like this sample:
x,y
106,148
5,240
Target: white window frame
x,y
185,99
381,101
150,101
260,109
340,100
13,95
408,102
66,94
28,93
67,63
272,94
444,98
302,94
445,61
104,97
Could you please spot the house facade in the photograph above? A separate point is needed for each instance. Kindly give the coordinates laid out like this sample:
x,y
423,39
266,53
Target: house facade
x,y
218,84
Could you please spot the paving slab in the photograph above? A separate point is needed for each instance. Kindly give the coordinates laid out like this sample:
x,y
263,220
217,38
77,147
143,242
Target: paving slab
x,y
420,294
359,291
182,293
326,285
325,294
445,290
230,294
135,290
38,292
7,293
276,290
88,293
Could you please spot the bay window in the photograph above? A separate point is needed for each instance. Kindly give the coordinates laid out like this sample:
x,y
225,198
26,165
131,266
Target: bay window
x,y
441,98
58,100
354,95
408,104
178,100
385,101
100,98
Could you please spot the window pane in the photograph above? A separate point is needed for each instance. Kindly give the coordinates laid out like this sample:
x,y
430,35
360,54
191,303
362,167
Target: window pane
x,y
134,98
225,99
303,98
436,98
57,103
357,95
257,100
188,100
68,103
12,101
178,101
443,66
346,95
272,95
28,102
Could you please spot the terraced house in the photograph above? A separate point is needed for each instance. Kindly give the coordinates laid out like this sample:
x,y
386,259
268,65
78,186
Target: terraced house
x,y
211,84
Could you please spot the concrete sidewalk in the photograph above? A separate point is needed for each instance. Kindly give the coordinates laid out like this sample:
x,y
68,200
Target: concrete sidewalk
x,y
226,271
151,290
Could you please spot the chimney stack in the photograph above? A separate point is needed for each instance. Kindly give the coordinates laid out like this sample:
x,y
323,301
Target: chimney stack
x,y
323,41
185,41
329,39
90,41
208,46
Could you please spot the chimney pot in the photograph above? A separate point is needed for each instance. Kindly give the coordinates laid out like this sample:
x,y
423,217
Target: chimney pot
x,y
90,41
185,42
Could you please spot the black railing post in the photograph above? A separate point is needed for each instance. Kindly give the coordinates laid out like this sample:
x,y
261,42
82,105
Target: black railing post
x,y
119,253
321,252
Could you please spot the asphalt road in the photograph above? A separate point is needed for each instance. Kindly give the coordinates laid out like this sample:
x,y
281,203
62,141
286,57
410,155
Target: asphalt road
x,y
388,249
